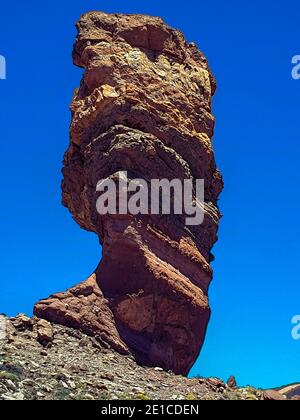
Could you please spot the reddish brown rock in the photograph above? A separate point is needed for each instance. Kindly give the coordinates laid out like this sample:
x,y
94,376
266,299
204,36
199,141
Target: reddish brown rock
x,y
44,332
143,106
290,391
273,395
232,382
83,307
215,383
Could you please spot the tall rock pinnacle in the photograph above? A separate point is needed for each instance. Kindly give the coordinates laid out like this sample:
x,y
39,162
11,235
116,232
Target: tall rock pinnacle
x,y
143,106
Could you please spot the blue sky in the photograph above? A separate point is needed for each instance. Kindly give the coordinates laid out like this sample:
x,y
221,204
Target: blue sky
x,y
256,288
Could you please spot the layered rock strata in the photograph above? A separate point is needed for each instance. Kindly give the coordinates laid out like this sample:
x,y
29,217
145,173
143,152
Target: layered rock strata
x,y
143,106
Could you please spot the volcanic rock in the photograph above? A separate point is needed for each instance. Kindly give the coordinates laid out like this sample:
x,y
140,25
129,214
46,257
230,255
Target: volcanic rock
x,y
84,307
144,107
272,395
73,372
22,322
44,332
216,383
232,382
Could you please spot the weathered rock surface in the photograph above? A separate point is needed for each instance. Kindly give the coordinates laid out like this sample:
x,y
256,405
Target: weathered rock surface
x,y
44,332
232,382
143,106
272,395
84,307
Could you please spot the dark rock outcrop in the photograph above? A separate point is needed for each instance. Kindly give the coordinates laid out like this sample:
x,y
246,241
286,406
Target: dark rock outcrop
x,y
143,106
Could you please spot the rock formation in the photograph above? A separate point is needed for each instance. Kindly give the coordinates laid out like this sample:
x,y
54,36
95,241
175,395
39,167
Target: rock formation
x,y
143,106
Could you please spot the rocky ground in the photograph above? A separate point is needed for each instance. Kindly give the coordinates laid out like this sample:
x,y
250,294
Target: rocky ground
x,y
41,361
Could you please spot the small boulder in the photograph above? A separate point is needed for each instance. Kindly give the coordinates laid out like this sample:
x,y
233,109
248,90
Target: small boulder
x,y
22,323
215,383
44,333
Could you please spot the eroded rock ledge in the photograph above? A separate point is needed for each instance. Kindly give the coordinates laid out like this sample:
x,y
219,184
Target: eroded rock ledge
x,y
143,106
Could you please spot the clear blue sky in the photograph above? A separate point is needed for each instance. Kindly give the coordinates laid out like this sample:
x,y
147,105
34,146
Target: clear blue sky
x,y
256,287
